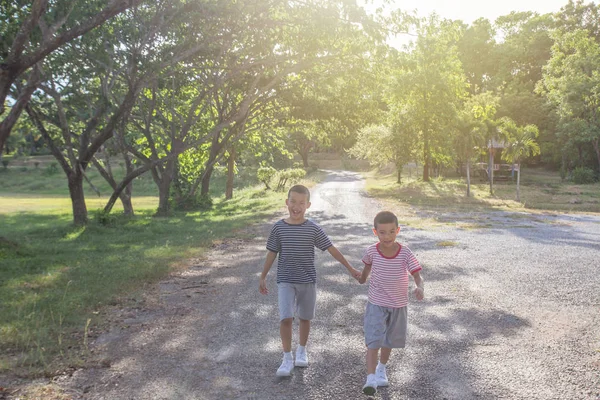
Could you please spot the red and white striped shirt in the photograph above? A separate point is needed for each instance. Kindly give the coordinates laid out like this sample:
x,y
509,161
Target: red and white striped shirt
x,y
388,285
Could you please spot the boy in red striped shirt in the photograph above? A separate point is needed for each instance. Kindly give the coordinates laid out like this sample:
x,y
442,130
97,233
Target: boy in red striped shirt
x,y
389,264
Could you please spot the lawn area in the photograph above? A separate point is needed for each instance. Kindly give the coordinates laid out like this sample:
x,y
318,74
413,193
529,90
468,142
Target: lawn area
x,y
541,191
57,279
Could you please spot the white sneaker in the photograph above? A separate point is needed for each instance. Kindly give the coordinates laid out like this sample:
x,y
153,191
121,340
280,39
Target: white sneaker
x,y
382,379
301,358
370,387
286,367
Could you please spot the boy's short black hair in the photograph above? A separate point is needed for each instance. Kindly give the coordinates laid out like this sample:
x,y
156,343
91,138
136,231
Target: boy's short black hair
x,y
300,189
385,217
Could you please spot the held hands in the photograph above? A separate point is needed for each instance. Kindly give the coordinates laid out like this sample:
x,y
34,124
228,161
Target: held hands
x,y
356,274
262,286
419,293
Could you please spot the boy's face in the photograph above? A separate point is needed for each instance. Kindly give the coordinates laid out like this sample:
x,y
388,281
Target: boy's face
x,y
297,204
387,233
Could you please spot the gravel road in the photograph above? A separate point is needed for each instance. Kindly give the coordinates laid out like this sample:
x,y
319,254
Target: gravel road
x,y
511,312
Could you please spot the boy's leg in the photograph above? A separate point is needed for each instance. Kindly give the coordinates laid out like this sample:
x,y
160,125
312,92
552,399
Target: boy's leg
x,y
304,331
287,364
370,387
372,355
385,355
285,331
380,371
374,328
306,301
286,296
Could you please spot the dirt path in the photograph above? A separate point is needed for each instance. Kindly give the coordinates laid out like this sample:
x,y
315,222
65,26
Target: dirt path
x,y
511,313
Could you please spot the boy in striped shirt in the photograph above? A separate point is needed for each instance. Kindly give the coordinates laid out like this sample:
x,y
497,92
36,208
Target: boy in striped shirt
x,y
389,264
294,239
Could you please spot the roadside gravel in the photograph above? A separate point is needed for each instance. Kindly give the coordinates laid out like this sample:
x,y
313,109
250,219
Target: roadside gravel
x,y
511,312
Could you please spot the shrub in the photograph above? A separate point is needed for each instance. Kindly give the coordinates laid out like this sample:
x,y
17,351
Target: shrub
x,y
265,175
293,175
204,202
563,173
5,163
105,218
583,175
199,202
51,169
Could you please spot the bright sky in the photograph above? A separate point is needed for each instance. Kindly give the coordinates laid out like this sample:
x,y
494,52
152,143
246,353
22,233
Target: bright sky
x,y
469,10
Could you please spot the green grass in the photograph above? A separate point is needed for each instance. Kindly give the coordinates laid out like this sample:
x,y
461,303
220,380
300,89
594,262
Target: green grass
x,y
541,191
56,278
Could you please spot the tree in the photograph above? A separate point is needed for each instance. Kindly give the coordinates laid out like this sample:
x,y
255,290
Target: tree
x,y
381,145
520,143
474,125
477,52
94,82
33,30
571,82
429,80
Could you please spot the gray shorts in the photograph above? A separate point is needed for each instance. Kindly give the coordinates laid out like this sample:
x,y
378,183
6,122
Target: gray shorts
x,y
385,327
298,297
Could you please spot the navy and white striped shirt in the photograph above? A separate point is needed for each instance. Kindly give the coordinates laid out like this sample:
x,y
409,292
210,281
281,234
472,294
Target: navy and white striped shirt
x,y
295,245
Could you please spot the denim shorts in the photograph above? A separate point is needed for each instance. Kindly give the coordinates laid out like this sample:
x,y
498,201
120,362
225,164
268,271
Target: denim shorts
x,y
385,327
298,299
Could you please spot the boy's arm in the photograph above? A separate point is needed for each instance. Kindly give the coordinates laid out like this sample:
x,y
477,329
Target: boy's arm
x,y
365,274
262,286
338,256
420,282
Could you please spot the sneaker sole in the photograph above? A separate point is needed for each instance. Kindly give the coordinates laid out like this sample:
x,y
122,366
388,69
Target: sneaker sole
x,y
301,364
283,373
369,390
383,384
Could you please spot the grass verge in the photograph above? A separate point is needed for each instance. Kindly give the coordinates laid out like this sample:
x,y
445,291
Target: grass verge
x,y
423,204
55,278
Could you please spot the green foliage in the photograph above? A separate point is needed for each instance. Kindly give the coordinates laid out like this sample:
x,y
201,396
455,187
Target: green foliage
x,y
583,176
105,218
51,169
265,175
5,163
289,176
198,202
520,140
563,173
571,83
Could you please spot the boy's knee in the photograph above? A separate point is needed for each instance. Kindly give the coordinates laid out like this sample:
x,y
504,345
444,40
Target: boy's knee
x,y
286,321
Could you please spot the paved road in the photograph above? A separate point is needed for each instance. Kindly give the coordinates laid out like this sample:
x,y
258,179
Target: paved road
x,y
511,312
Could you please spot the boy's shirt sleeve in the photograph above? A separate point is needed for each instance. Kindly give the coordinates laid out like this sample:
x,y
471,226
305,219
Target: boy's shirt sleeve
x,y
322,241
413,263
367,257
273,242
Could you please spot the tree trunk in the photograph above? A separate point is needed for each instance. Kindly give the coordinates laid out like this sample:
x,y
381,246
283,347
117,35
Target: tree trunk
x,y
399,174
163,198
75,179
426,162
468,178
128,191
304,155
205,186
518,182
164,189
491,170
597,149
230,173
